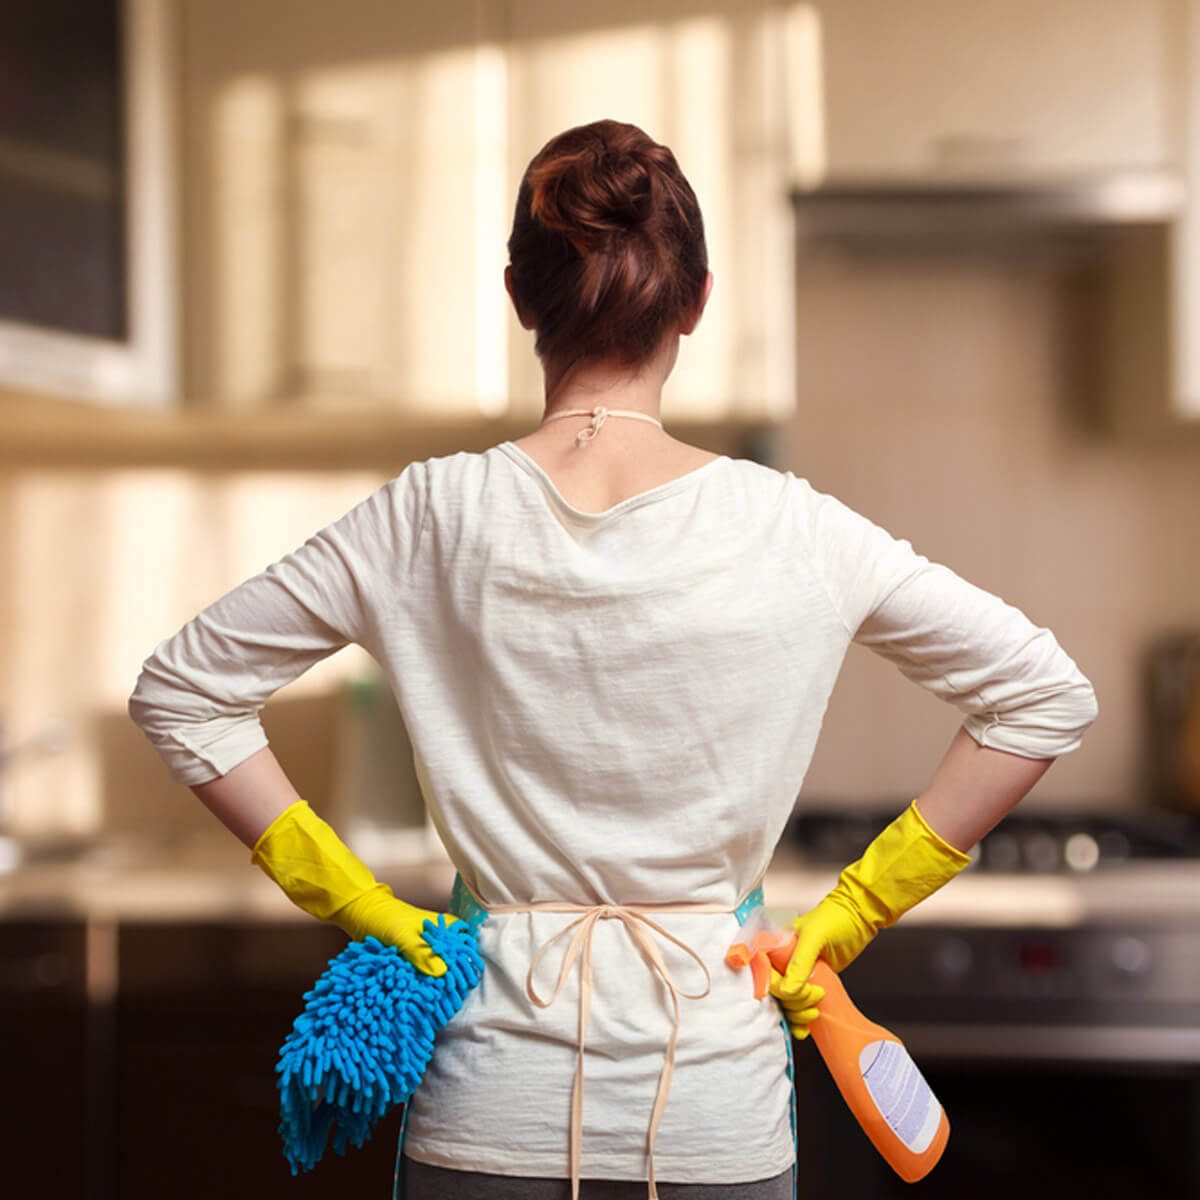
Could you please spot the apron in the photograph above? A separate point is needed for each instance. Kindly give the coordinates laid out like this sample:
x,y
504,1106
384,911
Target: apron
x,y
465,903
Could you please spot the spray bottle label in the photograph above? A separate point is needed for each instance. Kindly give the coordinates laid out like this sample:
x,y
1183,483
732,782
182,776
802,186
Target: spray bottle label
x,y
900,1093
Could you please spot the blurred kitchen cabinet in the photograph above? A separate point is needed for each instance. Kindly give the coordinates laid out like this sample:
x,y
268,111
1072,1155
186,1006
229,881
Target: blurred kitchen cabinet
x,y
88,201
352,180
1150,325
44,1048
997,89
202,1013
335,219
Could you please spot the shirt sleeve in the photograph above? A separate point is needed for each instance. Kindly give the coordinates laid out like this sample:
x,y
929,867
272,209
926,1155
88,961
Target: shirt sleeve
x,y
1018,689
200,692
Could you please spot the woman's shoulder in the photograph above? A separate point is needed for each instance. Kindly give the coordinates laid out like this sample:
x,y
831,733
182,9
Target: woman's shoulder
x,y
771,484
423,474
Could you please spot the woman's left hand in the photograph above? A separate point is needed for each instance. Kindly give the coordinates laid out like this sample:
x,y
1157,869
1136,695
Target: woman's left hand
x,y
378,913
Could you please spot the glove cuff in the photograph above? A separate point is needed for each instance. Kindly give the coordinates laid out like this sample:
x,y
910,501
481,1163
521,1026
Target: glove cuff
x,y
952,854
303,855
289,814
907,862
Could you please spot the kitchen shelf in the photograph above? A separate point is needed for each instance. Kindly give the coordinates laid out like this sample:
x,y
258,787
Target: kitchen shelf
x,y
42,432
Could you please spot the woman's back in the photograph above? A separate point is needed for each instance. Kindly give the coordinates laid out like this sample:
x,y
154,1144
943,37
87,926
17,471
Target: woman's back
x,y
584,688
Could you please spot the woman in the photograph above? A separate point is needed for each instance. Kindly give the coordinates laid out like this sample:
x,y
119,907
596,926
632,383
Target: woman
x,y
612,651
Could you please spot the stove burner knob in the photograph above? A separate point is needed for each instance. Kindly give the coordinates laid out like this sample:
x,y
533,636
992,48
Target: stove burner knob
x,y
1114,846
1041,851
951,958
1000,852
1081,852
1131,956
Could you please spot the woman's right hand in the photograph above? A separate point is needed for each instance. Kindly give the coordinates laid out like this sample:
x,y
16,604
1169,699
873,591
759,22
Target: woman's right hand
x,y
798,996
799,999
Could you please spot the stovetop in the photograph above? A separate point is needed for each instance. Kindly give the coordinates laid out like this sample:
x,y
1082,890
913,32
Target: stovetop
x,y
1044,843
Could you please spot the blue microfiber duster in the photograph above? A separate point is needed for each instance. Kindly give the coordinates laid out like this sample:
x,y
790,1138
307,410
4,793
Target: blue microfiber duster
x,y
366,1035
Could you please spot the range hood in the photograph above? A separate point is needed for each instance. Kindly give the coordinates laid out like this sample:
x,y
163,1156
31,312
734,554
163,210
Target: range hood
x,y
962,215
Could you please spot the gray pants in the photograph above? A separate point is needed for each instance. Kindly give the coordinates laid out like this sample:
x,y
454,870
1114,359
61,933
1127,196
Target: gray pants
x,y
423,1181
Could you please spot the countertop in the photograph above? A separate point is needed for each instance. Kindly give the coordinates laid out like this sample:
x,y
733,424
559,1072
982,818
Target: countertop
x,y
215,882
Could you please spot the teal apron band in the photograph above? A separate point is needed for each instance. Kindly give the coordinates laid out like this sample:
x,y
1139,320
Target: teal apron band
x,y
462,903
752,901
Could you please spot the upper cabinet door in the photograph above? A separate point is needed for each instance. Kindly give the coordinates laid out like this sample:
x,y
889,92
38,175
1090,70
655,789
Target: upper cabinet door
x,y
1183,269
1149,332
997,89
351,184
88,202
337,227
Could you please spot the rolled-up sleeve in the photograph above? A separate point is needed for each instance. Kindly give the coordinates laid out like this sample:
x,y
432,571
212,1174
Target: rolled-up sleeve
x,y
200,693
1018,689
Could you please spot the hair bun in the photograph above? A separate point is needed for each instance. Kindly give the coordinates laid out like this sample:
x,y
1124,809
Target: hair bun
x,y
630,185
592,195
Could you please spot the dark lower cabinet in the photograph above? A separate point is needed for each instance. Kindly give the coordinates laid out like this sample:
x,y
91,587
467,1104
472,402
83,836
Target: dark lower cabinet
x,y
46,1064
201,1014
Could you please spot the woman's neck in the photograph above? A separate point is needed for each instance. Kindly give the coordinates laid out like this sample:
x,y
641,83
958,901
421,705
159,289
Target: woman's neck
x,y
588,384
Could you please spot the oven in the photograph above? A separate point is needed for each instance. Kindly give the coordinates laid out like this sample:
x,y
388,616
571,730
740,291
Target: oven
x,y
1051,997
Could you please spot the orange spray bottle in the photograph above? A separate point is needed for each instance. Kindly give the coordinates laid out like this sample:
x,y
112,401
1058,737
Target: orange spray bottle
x,y
870,1065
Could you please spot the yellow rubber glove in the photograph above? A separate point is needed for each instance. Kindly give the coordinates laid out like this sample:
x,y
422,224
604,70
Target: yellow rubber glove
x,y
322,876
905,863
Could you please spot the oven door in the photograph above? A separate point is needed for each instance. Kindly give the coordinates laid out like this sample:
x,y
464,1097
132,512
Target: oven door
x,y
1068,1063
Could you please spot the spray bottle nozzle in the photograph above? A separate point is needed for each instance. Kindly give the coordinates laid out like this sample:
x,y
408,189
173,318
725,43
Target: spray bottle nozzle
x,y
765,944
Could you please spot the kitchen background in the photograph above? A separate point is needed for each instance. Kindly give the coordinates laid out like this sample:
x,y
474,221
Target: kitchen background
x,y
254,257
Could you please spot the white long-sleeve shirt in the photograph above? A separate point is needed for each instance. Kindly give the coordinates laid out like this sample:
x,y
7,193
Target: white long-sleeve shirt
x,y
612,707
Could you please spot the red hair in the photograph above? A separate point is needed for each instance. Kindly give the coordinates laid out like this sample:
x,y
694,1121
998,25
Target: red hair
x,y
607,245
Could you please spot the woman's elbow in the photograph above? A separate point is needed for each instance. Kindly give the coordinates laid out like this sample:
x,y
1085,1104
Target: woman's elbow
x,y
138,705
1089,705
1082,703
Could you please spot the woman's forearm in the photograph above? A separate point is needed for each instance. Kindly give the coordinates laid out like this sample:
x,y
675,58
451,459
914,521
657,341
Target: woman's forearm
x,y
250,796
974,788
